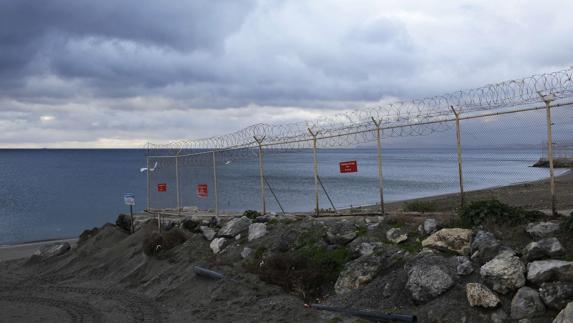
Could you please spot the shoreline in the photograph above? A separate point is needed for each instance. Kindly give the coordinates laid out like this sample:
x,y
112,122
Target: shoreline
x,y
24,250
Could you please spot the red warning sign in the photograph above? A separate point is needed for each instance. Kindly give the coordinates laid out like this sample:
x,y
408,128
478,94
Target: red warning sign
x,y
349,166
202,191
162,187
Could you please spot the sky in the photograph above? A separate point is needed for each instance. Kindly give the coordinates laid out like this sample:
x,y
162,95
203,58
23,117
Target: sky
x,y
107,73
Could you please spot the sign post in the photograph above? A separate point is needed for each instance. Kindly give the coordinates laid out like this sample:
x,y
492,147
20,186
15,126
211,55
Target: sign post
x,y
129,199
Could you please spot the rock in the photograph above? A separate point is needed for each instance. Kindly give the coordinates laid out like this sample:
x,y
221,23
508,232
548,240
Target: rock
x,y
480,295
51,250
257,230
238,237
246,253
566,315
207,232
218,244
373,226
526,304
556,294
341,233
504,273
123,221
234,227
542,229
430,226
452,240
464,266
357,273
546,248
363,247
264,218
548,270
396,235
506,252
486,246
426,283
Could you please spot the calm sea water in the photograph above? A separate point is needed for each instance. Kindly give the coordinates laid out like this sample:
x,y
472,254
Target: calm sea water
x,y
48,194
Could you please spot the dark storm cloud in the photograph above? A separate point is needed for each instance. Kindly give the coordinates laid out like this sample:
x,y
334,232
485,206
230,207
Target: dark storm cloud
x,y
78,71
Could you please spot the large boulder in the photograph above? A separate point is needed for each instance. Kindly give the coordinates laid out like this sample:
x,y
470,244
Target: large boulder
x,y
341,233
234,227
363,247
542,249
207,232
218,244
566,315
505,274
484,246
430,275
454,240
430,226
51,250
549,270
526,304
479,295
257,230
556,294
540,230
395,235
357,273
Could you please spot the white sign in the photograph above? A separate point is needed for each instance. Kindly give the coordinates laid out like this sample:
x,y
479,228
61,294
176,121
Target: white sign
x,y
129,198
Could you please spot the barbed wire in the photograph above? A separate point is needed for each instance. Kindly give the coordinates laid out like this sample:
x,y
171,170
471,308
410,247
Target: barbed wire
x,y
417,117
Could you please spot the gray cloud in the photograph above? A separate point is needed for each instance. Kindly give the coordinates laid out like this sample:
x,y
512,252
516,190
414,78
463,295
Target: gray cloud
x,y
79,72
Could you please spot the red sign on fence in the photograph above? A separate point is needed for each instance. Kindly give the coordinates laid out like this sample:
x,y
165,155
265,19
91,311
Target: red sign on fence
x,y
349,166
162,187
202,191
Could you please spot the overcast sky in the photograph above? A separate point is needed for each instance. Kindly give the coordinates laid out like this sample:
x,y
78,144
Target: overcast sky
x,y
110,73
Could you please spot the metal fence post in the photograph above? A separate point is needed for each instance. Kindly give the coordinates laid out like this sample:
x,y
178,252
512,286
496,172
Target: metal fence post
x,y
547,99
315,159
261,174
459,144
148,186
177,184
215,185
380,177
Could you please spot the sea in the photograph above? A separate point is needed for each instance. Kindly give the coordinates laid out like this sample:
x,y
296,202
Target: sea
x,y
58,193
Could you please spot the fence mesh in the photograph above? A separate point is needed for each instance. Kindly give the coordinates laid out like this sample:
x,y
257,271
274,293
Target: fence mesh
x,y
502,128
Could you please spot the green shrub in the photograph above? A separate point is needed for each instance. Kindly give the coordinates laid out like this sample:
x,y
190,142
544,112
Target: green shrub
x,y
156,243
309,271
420,206
495,212
251,214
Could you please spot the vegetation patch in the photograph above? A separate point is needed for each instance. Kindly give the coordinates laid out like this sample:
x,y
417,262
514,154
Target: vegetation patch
x,y
420,206
309,271
494,212
157,243
251,214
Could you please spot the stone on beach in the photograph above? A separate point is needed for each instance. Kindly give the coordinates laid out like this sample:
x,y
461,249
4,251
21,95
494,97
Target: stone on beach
x,y
357,273
464,266
234,227
549,270
484,246
396,235
542,229
566,315
479,295
427,282
257,230
341,233
504,273
546,248
454,240
218,244
52,250
556,294
526,304
207,232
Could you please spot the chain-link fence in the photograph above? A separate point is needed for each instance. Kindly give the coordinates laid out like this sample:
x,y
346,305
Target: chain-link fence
x,y
469,145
